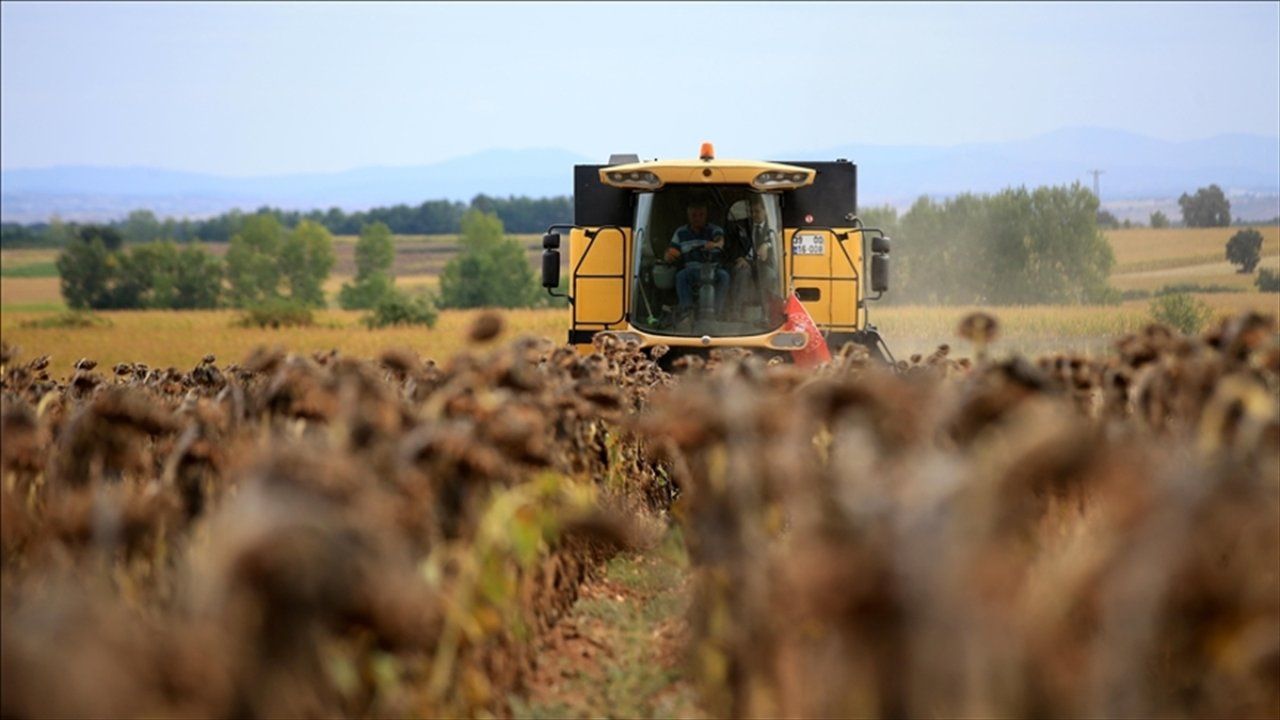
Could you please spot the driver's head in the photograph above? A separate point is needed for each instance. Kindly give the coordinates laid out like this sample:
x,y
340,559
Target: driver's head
x,y
697,213
757,210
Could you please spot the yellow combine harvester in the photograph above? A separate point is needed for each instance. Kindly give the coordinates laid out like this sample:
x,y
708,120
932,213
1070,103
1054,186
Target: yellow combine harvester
x,y
697,254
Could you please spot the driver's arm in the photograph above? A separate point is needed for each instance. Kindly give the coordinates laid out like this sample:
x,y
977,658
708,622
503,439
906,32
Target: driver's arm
x,y
673,249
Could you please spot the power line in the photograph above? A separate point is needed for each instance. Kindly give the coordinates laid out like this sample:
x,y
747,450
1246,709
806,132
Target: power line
x,y
1096,192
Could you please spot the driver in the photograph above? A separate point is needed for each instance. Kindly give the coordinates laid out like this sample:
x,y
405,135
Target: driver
x,y
692,245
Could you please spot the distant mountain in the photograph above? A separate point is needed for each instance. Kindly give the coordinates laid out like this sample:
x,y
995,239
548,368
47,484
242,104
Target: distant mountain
x,y
1136,168
97,193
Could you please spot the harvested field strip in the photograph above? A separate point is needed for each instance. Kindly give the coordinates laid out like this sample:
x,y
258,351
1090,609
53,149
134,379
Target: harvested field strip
x,y
149,336
1218,272
621,650
180,338
26,290
1147,249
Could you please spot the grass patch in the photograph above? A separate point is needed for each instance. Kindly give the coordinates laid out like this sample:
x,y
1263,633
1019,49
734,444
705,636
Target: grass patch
x,y
276,314
32,307
30,270
69,319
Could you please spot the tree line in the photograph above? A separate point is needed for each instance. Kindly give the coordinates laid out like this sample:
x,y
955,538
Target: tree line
x,y
278,272
433,217
1018,246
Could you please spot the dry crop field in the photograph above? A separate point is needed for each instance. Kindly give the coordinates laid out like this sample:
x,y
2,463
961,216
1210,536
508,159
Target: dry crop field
x,y
1140,249
149,336
160,337
1149,259
490,533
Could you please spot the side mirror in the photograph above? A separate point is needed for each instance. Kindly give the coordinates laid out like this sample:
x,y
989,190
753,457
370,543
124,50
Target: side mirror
x,y
880,245
551,261
879,273
551,267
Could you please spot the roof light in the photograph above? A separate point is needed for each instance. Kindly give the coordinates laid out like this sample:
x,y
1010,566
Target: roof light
x,y
775,179
708,152
636,179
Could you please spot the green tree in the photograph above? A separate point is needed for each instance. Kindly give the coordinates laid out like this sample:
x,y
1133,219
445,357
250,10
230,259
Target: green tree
x,y
111,239
141,226
1209,207
145,276
306,258
1245,249
1068,260
480,230
253,271
1159,220
490,271
1107,219
375,253
1017,246
197,279
86,271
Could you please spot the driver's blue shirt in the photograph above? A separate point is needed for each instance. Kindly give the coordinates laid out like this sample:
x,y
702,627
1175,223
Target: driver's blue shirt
x,y
691,243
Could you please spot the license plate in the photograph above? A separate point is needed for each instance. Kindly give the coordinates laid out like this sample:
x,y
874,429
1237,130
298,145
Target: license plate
x,y
808,244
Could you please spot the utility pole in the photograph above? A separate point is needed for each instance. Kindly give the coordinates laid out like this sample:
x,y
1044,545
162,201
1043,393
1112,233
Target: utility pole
x,y
1096,192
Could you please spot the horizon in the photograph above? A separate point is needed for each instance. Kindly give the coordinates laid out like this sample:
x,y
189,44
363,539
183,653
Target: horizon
x,y
548,148
243,91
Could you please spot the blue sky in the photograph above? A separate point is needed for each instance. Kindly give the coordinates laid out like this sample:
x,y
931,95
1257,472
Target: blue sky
x,y
250,89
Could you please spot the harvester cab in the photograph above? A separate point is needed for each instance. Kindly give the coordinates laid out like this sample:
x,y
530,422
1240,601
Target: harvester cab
x,y
703,253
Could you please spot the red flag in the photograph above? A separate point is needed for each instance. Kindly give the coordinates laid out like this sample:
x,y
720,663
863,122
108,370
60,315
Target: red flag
x,y
816,351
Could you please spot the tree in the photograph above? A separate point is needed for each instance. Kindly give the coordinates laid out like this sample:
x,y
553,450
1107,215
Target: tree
x,y
306,257
110,237
145,276
86,270
197,279
148,275
1267,281
253,272
1159,220
1245,249
1015,247
1107,220
141,226
480,229
1207,208
1068,259
490,271
375,253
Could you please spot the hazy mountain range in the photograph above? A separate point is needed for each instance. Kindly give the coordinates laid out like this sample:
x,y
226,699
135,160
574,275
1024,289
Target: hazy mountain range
x,y
1138,172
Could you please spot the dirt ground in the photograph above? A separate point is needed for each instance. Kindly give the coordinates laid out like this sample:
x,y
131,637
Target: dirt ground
x,y
620,652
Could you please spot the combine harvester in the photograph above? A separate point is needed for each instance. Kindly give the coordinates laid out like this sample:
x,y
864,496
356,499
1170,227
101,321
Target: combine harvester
x,y
705,253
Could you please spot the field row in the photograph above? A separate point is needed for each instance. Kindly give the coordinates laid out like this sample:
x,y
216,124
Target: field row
x,y
159,337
